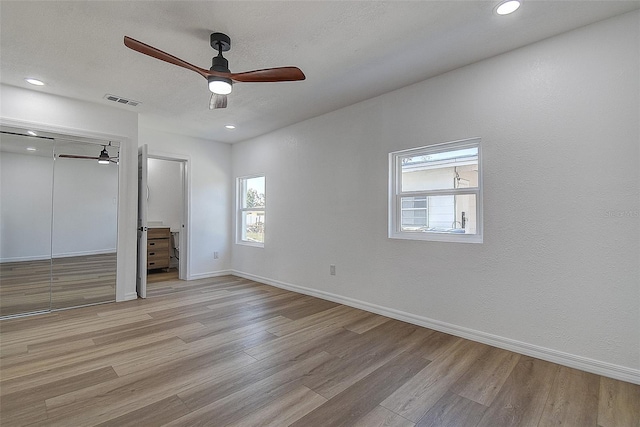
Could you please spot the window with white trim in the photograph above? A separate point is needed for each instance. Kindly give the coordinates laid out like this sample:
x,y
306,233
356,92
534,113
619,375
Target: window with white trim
x,y
435,192
251,204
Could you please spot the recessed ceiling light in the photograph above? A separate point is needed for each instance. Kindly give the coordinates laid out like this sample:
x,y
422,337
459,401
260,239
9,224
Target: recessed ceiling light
x,y
32,149
508,6
34,82
32,133
230,126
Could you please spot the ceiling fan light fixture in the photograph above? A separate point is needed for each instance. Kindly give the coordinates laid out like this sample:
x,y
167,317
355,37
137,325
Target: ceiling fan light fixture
x,y
508,6
220,85
103,158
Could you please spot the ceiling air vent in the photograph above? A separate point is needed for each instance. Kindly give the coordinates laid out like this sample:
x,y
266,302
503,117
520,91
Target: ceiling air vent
x,y
121,100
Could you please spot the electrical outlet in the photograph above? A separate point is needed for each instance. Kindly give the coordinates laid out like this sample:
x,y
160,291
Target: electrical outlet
x,y
215,255
332,270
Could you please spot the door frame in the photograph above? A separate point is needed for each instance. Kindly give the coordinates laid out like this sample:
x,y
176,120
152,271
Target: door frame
x,y
185,231
143,174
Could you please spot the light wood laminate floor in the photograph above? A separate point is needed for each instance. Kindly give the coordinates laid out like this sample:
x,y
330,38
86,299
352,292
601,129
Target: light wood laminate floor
x,y
52,284
229,351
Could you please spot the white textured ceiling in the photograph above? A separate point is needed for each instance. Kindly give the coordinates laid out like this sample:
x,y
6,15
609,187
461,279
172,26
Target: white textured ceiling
x,y
349,51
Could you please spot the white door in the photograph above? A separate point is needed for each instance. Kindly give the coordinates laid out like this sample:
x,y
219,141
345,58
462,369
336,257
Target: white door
x,y
141,281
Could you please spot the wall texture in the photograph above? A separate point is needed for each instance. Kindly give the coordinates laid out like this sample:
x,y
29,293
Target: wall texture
x,y
558,273
41,111
165,199
26,182
210,198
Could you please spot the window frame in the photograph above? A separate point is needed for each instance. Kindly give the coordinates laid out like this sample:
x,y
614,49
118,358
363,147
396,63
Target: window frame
x,y
240,210
396,194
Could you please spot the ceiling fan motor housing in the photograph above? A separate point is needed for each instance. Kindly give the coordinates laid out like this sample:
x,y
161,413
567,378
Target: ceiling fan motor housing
x,y
220,64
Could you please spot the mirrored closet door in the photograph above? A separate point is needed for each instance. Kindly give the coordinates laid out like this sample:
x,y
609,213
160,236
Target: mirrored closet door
x,y
58,221
26,201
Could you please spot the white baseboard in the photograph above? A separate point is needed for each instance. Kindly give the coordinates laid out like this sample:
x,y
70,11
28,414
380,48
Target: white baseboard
x,y
606,369
85,253
130,296
63,255
25,258
210,274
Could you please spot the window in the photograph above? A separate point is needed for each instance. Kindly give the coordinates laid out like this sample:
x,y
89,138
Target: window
x,y
251,210
435,192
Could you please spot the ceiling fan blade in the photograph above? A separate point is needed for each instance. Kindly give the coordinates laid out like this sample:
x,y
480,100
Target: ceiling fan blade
x,y
280,74
217,101
73,156
143,48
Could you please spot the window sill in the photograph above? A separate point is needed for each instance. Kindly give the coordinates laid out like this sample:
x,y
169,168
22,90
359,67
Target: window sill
x,y
438,237
254,244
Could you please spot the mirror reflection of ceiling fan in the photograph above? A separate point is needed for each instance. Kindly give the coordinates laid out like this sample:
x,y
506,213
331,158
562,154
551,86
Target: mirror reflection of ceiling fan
x,y
102,159
219,77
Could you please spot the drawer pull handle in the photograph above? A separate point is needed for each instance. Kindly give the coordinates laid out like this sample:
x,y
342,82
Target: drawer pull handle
x,y
152,253
152,263
152,243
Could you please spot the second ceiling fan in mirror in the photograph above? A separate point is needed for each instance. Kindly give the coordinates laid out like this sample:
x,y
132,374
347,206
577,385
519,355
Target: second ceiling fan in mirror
x,y
103,158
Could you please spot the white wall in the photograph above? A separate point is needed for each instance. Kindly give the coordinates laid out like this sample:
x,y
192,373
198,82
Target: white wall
x,y
210,198
558,273
165,201
25,212
41,111
85,208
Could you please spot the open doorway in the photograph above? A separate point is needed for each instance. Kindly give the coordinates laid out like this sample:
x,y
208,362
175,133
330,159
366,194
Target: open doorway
x,y
164,195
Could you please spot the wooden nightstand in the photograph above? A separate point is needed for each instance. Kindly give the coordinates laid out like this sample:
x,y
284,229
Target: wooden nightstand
x,y
158,247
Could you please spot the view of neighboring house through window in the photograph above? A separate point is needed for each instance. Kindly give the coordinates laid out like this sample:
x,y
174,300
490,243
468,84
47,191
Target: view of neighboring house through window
x,y
251,210
435,192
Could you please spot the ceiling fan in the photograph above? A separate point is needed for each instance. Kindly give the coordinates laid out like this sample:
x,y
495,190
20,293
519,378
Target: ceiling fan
x,y
219,77
102,159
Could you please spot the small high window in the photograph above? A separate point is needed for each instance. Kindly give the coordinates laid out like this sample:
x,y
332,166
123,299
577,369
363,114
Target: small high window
x,y
435,192
251,204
